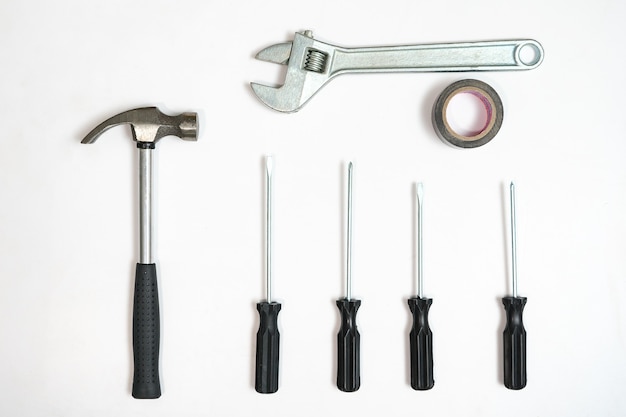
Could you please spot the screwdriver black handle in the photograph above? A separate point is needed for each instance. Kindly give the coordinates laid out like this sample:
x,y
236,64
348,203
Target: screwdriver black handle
x,y
146,333
421,345
267,348
514,337
348,347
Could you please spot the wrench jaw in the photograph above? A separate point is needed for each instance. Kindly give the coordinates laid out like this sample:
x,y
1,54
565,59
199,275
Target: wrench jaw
x,y
291,96
278,54
276,98
308,70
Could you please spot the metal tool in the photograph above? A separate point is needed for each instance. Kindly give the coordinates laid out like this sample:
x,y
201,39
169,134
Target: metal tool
x,y
420,337
148,126
514,336
311,63
348,338
268,337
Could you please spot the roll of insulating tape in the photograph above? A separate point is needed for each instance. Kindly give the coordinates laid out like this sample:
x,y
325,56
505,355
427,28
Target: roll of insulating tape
x,y
493,106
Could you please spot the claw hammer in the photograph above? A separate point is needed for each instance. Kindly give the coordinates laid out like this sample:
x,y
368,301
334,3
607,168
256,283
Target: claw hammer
x,y
148,126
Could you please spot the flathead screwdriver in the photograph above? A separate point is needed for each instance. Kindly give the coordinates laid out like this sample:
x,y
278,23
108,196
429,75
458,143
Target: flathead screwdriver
x,y
268,338
420,337
514,336
348,338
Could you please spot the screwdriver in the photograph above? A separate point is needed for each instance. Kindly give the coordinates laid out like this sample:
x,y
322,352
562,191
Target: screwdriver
x,y
268,338
514,335
420,337
348,338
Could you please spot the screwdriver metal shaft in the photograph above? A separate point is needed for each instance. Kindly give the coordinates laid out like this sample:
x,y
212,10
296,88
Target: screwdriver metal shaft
x,y
268,337
420,337
514,336
348,338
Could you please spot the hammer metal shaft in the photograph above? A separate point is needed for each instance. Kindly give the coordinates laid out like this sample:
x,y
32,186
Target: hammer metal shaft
x,y
146,226
146,327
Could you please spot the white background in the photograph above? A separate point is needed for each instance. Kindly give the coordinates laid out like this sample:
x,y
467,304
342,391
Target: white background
x,y
68,222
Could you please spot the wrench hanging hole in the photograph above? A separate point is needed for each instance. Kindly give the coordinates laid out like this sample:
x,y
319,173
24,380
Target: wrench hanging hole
x,y
315,61
468,113
529,54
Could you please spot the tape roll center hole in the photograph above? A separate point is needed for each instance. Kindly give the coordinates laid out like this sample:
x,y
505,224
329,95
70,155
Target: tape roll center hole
x,y
468,113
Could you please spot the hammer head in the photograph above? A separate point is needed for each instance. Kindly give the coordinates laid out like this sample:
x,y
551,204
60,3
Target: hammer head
x,y
149,124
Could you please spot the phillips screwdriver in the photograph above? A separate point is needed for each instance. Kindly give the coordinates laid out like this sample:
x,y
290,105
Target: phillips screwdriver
x,y
514,335
420,337
348,338
267,338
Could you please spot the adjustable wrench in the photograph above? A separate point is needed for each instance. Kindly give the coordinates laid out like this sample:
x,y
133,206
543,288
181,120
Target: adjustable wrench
x,y
311,63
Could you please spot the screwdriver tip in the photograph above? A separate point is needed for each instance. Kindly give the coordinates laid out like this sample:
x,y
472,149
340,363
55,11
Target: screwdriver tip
x,y
269,163
420,192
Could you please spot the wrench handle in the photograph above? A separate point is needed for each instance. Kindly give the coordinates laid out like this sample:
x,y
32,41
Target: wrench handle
x,y
471,56
146,333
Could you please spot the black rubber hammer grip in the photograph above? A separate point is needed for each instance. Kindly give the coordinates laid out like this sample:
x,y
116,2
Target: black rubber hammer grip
x,y
146,333
514,338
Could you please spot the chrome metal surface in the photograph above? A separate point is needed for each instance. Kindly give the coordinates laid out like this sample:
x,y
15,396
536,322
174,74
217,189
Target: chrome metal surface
x,y
311,63
149,124
146,214
513,239
420,252
349,236
269,225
